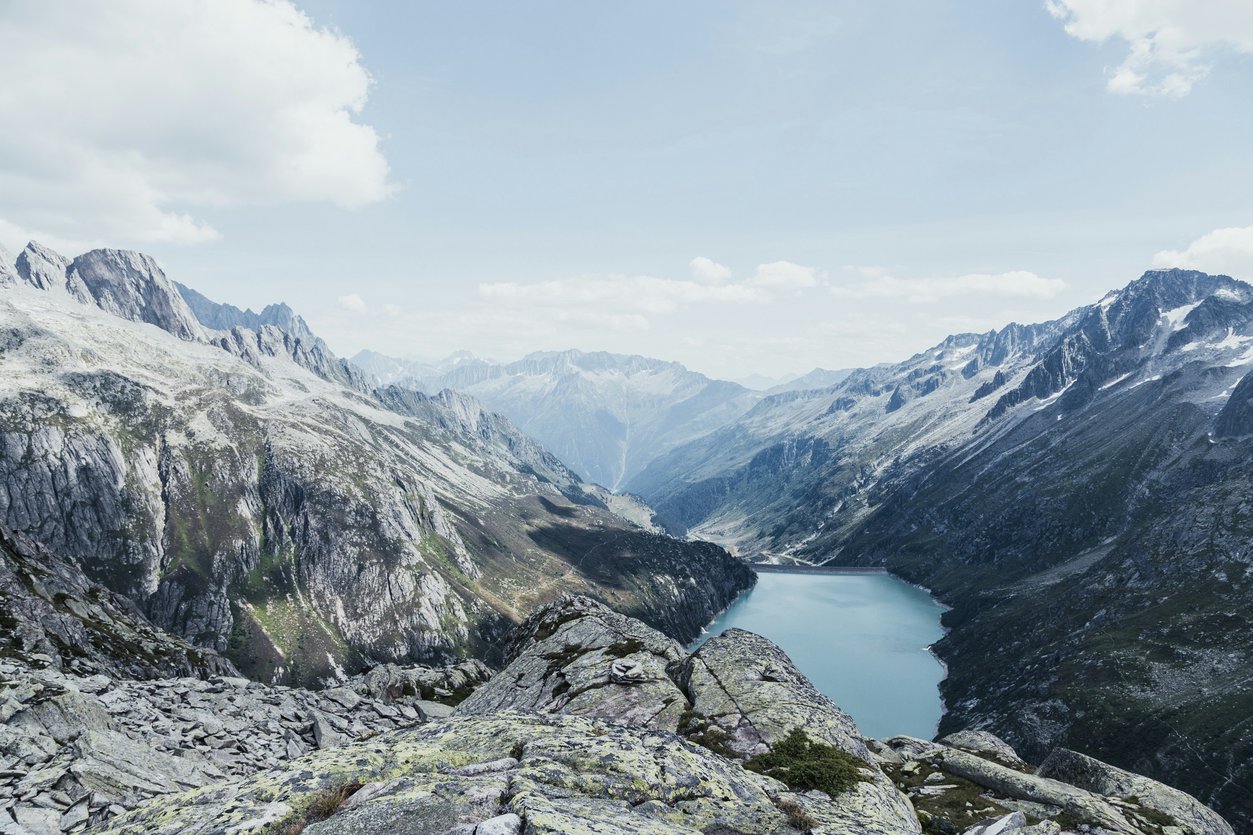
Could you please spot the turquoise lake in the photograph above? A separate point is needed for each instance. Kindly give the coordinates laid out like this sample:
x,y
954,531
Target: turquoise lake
x,y
860,638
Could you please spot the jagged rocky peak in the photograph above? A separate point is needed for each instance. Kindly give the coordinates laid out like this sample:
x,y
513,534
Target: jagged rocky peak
x,y
133,286
225,317
45,269
311,354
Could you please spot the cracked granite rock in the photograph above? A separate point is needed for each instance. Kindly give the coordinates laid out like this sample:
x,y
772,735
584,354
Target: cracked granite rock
x,y
518,759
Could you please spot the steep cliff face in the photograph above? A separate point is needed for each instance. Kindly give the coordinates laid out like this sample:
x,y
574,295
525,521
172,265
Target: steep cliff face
x,y
1077,491
255,503
51,615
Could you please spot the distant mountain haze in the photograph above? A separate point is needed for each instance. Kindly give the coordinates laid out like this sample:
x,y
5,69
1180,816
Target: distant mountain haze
x,y
607,416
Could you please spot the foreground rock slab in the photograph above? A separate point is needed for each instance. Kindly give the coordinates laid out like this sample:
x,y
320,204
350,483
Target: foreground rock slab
x,y
505,772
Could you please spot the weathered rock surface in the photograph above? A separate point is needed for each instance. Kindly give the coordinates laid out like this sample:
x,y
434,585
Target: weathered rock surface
x,y
962,788
132,286
52,615
746,695
44,269
390,682
984,744
558,774
746,686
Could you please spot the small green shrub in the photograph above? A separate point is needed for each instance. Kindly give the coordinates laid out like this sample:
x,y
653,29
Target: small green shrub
x,y
803,764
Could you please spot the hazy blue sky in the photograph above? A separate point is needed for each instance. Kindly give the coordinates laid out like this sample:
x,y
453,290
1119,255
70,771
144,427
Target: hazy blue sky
x,y
854,180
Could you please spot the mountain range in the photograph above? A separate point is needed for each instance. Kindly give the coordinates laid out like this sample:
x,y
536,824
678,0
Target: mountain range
x,y
1076,490
605,415
191,488
252,494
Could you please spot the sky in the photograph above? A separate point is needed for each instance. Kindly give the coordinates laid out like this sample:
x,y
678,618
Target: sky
x,y
751,188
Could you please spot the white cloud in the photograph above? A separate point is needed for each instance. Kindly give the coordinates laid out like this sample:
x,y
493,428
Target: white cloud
x,y
1228,251
707,270
353,303
635,293
784,275
1169,42
129,119
1017,284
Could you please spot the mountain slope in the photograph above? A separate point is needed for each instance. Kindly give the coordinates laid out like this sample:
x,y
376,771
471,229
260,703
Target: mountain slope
x,y
606,415
251,501
1076,490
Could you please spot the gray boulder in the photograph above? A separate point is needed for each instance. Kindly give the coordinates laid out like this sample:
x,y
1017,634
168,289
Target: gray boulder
x,y
987,744
564,661
748,688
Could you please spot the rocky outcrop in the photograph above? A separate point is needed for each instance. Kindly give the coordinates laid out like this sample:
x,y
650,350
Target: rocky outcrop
x,y
945,784
1095,776
745,686
44,269
590,751
740,695
227,317
421,686
580,658
548,775
986,745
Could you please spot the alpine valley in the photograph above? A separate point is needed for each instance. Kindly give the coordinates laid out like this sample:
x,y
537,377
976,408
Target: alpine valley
x,y
248,586
1077,491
